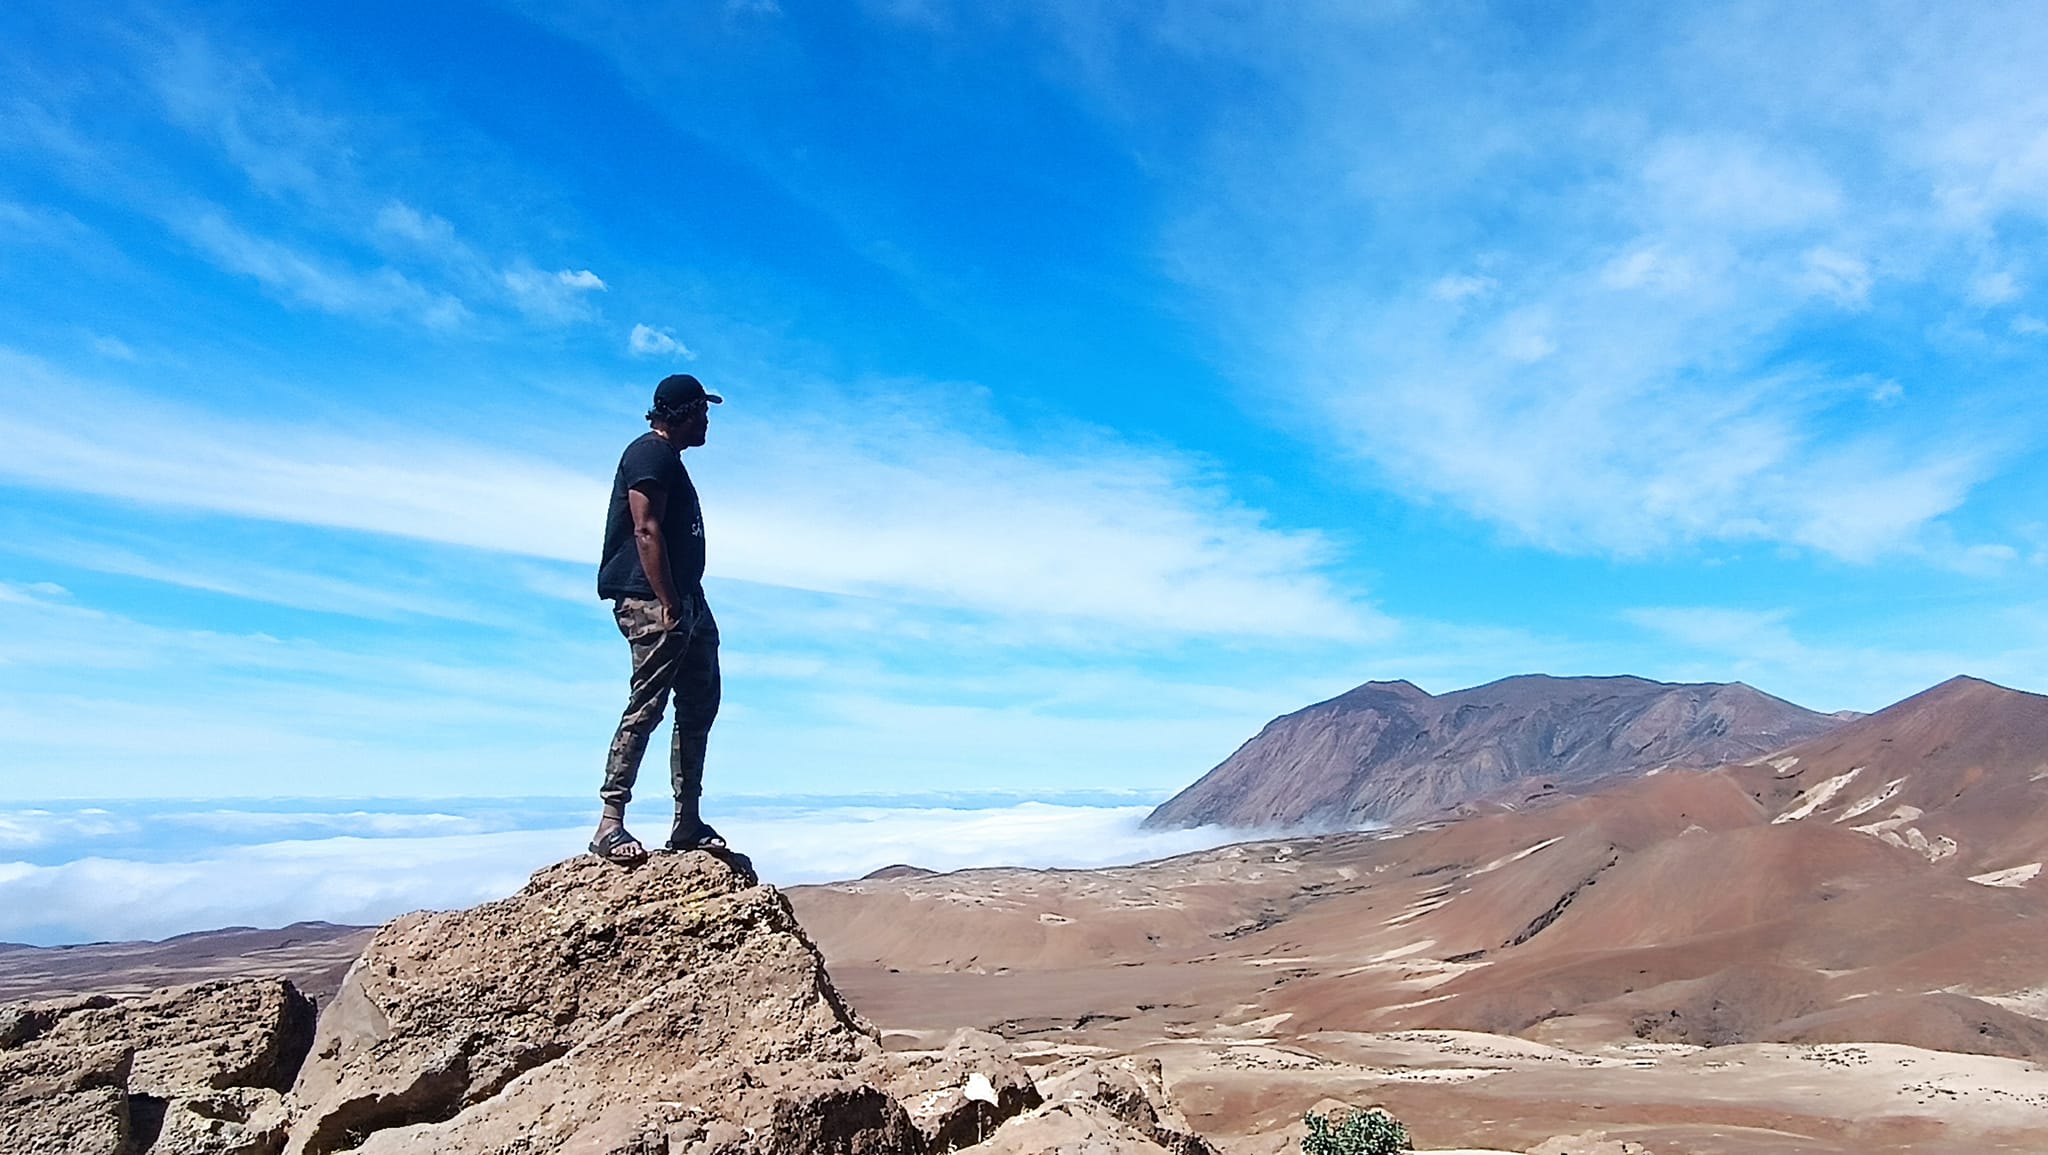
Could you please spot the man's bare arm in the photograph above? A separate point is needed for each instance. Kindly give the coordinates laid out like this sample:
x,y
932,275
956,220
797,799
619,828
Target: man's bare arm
x,y
647,503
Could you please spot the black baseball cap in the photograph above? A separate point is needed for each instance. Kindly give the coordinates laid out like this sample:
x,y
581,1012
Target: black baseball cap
x,y
678,392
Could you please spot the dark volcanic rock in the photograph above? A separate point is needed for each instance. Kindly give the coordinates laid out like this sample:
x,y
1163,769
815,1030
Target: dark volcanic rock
x,y
1387,751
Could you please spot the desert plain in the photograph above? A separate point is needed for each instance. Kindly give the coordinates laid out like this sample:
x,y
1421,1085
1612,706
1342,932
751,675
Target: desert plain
x,y
1834,948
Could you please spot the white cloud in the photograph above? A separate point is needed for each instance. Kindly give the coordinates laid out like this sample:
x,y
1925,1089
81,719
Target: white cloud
x,y
337,880
1866,670
1736,183
294,151
306,279
875,502
280,144
426,230
243,577
1758,634
1838,276
1996,288
1647,367
113,348
1461,286
427,488
371,879
648,341
38,225
1098,533
1586,424
557,296
1648,266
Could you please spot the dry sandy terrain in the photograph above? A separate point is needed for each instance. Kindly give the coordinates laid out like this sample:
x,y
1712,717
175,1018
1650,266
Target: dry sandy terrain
x,y
311,954
1840,948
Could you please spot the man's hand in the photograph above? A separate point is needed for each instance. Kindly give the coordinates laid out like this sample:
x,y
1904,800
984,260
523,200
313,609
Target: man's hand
x,y
671,617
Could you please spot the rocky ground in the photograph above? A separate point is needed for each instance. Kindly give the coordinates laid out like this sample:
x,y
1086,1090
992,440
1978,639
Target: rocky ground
x,y
682,1009
1838,948
676,1009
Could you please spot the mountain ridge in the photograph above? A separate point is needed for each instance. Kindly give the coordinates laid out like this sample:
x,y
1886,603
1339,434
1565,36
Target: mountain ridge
x,y
1388,751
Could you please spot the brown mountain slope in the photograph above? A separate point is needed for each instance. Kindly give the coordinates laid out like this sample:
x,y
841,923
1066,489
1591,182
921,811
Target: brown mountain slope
x,y
1957,773
1388,751
1670,908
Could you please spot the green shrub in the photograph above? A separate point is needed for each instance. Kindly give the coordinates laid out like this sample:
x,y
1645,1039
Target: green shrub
x,y
1371,1132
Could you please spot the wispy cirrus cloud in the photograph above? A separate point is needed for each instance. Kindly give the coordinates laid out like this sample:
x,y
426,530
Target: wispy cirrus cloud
x,y
1651,330
1775,649
916,510
289,201
303,278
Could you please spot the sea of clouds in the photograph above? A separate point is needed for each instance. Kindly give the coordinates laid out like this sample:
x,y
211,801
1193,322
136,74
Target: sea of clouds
x,y
105,871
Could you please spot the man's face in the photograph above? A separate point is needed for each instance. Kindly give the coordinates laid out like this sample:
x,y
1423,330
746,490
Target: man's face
x,y
691,424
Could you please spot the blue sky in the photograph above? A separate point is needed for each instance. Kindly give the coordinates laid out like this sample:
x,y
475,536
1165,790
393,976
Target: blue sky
x,y
1102,380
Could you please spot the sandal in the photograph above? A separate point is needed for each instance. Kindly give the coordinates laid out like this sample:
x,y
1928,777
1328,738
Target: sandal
x,y
701,837
619,847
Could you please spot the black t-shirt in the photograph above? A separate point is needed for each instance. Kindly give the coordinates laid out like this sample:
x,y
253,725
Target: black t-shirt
x,y
652,462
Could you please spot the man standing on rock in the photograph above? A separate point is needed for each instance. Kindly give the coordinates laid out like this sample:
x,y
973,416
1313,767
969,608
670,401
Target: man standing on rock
x,y
653,571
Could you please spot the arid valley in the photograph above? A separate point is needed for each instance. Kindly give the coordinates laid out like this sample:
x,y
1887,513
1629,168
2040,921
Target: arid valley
x,y
1837,946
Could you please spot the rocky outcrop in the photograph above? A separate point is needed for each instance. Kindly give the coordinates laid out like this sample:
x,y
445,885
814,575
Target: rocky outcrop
x,y
1588,1143
194,1070
1101,1107
1132,1091
1387,751
612,993
234,1121
676,1009
957,1096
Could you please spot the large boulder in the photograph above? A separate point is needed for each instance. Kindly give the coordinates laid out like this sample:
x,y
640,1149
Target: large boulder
x,y
676,1008
195,1070
91,1122
1070,1127
1588,1143
61,1098
207,1037
958,1095
235,1121
1133,1092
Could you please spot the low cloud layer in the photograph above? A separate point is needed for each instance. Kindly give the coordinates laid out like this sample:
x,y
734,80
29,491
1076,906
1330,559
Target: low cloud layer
x,y
96,873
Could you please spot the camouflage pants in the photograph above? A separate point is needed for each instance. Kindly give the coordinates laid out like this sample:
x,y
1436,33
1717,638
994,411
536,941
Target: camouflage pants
x,y
682,662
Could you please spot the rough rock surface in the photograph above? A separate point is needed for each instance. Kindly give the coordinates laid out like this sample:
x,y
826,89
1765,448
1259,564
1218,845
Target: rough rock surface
x,y
1588,1143
235,1121
93,1122
957,1096
193,1070
1070,1127
1133,1092
677,1008
1388,751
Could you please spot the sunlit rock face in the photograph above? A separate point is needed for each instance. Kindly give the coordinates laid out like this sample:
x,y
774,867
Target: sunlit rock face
x,y
196,1070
